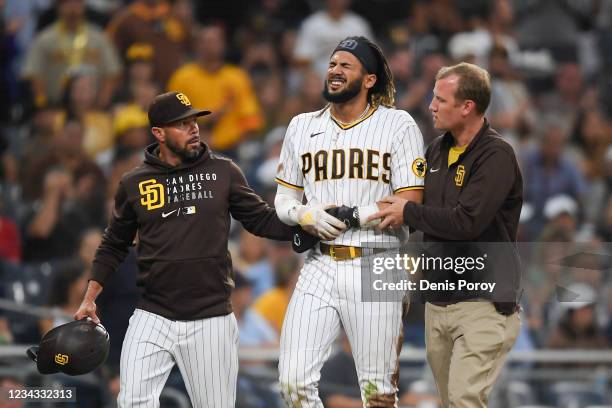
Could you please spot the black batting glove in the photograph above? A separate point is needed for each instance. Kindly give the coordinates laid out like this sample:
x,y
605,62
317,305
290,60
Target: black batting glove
x,y
348,215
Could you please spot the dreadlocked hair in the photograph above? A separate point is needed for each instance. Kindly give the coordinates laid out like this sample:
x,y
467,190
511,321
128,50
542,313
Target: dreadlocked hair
x,y
383,92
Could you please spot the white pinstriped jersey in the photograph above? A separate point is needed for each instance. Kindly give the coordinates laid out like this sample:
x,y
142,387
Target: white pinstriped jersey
x,y
353,165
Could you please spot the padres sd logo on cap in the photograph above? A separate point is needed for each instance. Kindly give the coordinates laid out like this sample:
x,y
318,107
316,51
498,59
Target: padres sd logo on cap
x,y
171,107
183,99
61,359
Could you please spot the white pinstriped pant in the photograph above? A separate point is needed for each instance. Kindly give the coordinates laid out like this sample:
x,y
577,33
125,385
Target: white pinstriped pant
x,y
205,350
328,294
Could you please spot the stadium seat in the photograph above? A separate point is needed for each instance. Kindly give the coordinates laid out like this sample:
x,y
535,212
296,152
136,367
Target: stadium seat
x,y
29,285
570,394
520,393
26,284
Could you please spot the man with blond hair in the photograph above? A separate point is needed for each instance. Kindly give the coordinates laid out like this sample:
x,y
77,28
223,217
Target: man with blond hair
x,y
473,196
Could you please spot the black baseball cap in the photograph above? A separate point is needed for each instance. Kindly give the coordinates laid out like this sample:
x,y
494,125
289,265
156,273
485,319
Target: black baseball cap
x,y
73,348
170,107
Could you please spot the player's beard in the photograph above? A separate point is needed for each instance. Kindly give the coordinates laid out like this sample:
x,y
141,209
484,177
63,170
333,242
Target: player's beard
x,y
352,90
185,153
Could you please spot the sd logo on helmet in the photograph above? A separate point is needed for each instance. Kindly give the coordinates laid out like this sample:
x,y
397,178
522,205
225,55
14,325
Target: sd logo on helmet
x,y
73,348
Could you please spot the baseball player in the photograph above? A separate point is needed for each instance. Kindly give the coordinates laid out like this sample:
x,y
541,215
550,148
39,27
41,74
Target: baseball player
x,y
353,152
179,202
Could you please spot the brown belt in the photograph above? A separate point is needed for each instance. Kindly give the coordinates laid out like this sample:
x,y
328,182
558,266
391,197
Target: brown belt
x,y
343,253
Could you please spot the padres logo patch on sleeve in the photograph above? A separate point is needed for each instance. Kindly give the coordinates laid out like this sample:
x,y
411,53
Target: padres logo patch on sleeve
x,y
419,167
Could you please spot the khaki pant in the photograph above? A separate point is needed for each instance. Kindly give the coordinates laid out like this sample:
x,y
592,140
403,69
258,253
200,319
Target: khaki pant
x,y
467,344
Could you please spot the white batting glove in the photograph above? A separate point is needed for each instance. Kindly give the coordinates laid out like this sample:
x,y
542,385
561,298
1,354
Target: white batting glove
x,y
316,221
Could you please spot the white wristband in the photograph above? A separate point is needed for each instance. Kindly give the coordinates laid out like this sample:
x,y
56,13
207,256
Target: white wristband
x,y
287,202
286,209
364,213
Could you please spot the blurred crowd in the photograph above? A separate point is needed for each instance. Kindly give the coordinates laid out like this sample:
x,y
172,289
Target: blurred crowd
x,y
76,77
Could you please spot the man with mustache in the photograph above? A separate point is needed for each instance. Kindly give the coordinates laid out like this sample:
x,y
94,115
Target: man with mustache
x,y
179,201
354,151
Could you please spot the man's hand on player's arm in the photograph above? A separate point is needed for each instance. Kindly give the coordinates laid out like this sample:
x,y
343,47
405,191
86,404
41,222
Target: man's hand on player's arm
x,y
88,305
312,218
366,217
391,208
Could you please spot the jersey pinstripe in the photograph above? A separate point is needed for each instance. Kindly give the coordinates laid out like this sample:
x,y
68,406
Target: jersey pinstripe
x,y
327,299
355,165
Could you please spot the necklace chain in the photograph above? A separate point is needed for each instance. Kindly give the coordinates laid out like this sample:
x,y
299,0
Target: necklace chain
x,y
356,120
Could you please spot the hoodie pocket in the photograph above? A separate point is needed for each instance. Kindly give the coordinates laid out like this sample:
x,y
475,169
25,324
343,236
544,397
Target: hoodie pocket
x,y
189,286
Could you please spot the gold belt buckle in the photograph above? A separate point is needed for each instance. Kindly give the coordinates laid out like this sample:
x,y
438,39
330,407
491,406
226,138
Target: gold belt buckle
x,y
332,253
351,255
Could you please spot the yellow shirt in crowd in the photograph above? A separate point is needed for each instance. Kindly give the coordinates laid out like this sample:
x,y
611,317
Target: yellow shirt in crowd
x,y
97,131
272,306
227,91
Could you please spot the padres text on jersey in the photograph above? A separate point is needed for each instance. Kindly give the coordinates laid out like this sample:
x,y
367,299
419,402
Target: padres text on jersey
x,y
356,165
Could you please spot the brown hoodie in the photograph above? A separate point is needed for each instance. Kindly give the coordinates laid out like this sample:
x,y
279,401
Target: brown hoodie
x,y
182,216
